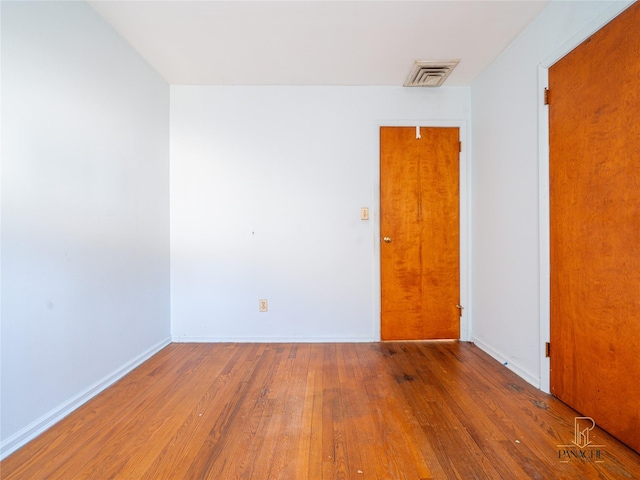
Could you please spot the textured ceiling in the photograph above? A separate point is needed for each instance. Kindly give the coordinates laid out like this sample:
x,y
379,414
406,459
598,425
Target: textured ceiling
x,y
315,43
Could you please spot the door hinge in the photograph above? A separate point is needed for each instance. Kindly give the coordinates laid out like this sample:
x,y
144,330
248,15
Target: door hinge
x,y
546,96
459,146
547,349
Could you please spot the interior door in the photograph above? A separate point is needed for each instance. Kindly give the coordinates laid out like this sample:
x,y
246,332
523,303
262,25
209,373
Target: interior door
x,y
420,230
594,113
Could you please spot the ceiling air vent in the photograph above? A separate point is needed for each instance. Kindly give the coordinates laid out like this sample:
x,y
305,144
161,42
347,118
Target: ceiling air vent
x,y
429,74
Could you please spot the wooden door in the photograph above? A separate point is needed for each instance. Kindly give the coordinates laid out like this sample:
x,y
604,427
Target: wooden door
x,y
419,208
594,166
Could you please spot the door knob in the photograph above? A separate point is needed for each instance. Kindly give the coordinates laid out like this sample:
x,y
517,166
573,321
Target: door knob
x,y
387,239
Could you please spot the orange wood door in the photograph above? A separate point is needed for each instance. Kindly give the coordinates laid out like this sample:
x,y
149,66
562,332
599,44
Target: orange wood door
x,y
419,208
594,115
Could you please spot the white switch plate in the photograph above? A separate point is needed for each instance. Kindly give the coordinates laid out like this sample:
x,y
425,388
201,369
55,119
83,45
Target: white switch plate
x,y
263,305
364,213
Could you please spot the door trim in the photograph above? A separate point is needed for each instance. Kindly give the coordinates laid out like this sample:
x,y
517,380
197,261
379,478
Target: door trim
x,y
543,180
465,225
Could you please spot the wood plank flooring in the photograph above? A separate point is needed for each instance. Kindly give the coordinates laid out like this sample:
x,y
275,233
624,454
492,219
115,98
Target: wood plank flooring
x,y
391,410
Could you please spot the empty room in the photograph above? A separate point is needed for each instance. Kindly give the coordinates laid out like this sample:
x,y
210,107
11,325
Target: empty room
x,y
319,239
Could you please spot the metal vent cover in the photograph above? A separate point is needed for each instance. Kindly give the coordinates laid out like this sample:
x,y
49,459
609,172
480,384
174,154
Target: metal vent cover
x,y
429,74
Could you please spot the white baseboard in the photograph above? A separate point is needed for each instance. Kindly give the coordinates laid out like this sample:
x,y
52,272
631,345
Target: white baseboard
x,y
514,367
279,339
28,433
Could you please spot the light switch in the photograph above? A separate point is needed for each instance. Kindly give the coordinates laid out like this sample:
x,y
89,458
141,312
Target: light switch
x,y
364,213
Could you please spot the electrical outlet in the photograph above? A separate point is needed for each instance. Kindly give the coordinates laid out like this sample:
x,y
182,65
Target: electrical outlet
x,y
263,305
364,213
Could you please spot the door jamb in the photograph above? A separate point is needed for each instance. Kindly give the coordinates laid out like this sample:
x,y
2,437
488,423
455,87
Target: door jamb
x,y
465,217
543,181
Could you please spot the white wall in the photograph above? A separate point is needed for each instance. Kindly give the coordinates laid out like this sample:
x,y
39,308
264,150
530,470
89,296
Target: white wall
x,y
85,204
266,189
506,190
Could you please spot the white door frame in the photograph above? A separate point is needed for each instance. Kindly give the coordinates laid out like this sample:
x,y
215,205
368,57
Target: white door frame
x,y
465,216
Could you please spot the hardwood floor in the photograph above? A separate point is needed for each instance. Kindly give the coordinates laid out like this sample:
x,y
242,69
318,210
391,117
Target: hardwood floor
x,y
401,410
